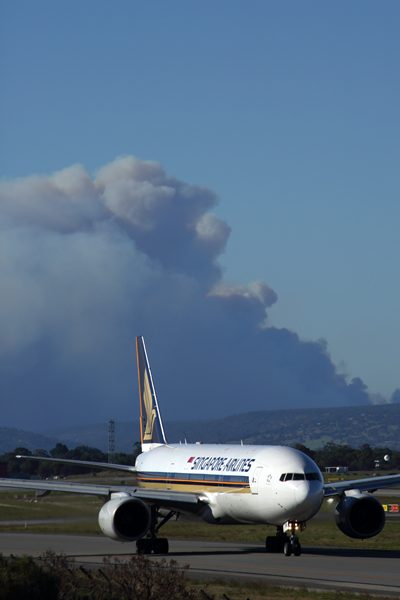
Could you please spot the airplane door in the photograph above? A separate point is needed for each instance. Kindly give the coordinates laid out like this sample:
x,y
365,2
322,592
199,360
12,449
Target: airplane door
x,y
255,479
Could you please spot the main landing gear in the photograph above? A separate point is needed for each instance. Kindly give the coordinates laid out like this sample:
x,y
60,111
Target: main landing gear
x,y
282,542
151,543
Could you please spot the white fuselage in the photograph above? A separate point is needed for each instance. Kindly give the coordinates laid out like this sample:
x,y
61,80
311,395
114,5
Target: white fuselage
x,y
237,484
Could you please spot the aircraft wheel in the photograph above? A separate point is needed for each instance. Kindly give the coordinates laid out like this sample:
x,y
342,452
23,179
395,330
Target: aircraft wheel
x,y
287,549
296,548
270,544
160,546
144,546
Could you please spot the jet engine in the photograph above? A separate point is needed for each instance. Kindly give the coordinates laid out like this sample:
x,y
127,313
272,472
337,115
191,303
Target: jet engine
x,y
124,519
359,516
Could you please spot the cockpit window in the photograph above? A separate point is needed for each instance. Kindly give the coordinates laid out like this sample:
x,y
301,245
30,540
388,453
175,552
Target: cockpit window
x,y
313,477
300,477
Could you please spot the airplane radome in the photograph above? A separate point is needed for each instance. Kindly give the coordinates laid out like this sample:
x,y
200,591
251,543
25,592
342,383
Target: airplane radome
x,y
220,484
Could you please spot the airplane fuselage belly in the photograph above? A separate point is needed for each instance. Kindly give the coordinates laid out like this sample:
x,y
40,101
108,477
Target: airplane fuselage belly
x,y
236,483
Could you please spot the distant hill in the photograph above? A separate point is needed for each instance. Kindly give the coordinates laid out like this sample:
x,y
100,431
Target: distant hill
x,y
11,438
96,435
377,425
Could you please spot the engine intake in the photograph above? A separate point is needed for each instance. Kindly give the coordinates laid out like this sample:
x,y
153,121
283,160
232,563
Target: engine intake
x,y
124,519
360,517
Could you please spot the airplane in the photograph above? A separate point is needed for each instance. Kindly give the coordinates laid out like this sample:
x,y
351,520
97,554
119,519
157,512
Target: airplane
x,y
219,483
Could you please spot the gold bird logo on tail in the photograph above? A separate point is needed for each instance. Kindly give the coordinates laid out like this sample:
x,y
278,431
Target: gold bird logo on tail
x,y
150,411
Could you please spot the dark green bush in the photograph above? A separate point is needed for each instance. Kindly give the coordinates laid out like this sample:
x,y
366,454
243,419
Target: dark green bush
x,y
22,579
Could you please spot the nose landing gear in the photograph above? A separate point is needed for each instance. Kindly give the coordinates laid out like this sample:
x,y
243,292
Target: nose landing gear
x,y
282,542
292,546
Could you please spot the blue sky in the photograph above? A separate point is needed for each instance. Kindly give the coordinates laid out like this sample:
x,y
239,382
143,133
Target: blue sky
x,y
287,111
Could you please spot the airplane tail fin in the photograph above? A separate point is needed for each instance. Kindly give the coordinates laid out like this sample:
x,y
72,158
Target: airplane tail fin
x,y
151,427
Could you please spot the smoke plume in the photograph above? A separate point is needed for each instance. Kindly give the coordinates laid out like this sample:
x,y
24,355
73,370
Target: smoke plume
x,y
86,264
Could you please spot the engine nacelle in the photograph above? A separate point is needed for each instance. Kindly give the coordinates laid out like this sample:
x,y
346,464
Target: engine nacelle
x,y
360,516
124,519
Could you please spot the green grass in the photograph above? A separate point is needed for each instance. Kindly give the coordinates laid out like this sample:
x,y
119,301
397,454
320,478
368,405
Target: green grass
x,y
52,507
74,528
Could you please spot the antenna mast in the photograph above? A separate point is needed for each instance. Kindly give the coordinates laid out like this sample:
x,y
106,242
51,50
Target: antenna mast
x,y
111,440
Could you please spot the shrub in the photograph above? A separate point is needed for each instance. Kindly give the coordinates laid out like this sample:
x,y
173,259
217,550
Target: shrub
x,y
22,579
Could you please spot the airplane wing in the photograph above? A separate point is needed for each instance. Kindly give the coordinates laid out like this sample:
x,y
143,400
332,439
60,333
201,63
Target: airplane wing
x,y
56,486
184,501
83,463
370,484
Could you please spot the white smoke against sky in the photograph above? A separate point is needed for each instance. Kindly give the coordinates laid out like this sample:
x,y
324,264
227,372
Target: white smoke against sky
x,y
86,264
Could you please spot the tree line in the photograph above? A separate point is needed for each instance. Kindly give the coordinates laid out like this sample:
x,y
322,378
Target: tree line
x,y
43,469
361,459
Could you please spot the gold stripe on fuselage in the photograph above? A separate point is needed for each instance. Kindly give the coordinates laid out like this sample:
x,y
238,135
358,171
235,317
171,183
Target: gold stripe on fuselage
x,y
164,483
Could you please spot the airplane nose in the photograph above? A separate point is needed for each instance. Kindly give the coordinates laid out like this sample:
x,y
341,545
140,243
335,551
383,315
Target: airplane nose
x,y
308,496
302,492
